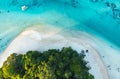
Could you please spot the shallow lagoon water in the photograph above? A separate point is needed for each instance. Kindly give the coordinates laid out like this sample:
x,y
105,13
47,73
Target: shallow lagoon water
x,y
96,16
90,17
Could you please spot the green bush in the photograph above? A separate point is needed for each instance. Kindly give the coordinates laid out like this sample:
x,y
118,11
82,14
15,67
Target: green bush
x,y
51,64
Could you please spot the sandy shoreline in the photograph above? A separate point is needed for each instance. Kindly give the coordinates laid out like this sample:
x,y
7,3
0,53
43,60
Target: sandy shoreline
x,y
31,39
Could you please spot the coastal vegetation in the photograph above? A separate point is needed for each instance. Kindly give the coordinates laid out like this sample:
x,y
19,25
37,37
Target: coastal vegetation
x,y
51,64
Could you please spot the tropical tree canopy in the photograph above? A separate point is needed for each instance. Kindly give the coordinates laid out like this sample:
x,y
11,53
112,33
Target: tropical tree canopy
x,y
51,64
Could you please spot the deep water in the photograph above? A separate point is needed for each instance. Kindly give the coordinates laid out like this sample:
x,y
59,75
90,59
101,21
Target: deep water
x,y
66,14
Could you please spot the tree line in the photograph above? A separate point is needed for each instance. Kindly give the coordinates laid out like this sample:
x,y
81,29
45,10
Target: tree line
x,y
51,64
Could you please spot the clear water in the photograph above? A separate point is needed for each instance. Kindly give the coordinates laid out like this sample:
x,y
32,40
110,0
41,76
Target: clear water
x,y
85,14
92,17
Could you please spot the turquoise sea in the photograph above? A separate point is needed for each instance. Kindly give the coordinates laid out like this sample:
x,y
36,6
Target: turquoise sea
x,y
83,15
99,18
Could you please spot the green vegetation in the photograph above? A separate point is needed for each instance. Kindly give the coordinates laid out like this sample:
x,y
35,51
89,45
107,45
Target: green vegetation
x,y
51,64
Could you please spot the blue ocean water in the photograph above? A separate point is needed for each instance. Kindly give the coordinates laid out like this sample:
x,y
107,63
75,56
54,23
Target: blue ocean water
x,y
84,15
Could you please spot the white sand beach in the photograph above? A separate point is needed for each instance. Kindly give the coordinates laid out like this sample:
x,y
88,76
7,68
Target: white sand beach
x,y
34,39
67,26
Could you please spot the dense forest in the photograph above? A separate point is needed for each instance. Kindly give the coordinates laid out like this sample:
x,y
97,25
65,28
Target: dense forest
x,y
51,64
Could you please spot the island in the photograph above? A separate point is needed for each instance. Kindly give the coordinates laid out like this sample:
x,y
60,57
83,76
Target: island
x,y
51,64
